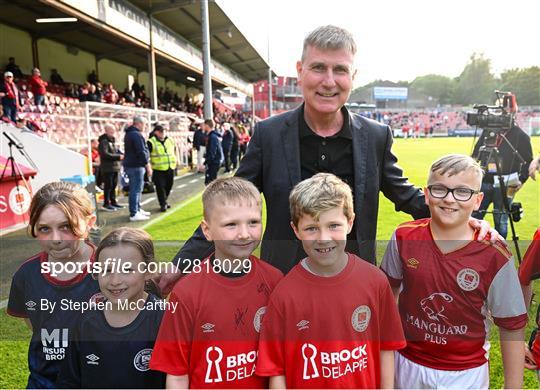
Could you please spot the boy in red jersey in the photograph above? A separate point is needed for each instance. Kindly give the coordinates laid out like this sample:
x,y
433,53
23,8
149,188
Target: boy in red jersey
x,y
211,340
529,271
332,321
451,285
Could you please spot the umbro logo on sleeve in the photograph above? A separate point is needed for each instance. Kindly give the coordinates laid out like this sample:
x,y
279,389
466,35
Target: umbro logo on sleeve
x,y
92,359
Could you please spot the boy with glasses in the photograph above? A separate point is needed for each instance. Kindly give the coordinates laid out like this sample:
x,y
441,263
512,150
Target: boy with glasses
x,y
451,286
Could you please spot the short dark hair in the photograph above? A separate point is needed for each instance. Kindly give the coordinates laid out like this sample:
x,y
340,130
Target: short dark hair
x,y
209,122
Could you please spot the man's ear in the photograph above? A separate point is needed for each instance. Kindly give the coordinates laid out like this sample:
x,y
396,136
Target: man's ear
x,y
299,68
206,230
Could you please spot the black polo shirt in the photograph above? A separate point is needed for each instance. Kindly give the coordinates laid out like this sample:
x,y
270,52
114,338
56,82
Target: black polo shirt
x,y
332,154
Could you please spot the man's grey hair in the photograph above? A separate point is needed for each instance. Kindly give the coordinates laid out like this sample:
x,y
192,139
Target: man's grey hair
x,y
138,119
329,38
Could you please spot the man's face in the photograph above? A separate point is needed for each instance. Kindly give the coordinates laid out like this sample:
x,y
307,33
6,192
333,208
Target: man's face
x,y
110,132
160,134
326,78
139,125
324,240
448,211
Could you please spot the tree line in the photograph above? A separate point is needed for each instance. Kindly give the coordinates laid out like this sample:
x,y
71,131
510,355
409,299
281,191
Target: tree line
x,y
475,84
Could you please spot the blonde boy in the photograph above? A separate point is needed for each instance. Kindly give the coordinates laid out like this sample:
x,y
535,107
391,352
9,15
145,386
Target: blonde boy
x,y
332,321
449,285
211,340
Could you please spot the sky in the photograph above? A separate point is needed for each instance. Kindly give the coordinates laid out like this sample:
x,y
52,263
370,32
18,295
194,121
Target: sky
x,y
397,39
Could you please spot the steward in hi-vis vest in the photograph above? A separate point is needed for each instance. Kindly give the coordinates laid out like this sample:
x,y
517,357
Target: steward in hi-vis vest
x,y
163,160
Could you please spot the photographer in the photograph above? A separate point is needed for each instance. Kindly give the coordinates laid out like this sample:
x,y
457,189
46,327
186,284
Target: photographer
x,y
510,163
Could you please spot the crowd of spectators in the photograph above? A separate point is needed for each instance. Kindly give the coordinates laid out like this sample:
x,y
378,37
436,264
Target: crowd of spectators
x,y
33,89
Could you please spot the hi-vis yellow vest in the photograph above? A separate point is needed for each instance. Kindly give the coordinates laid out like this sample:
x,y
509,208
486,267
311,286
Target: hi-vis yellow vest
x,y
162,156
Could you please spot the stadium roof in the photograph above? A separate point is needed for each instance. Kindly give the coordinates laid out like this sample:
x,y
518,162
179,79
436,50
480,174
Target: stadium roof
x,y
228,45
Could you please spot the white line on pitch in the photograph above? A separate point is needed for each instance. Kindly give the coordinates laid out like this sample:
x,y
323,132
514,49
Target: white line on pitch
x,y
184,176
148,200
174,209
193,181
181,186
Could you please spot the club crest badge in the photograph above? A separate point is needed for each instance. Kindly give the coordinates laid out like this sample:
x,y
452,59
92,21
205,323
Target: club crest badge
x,y
468,279
360,318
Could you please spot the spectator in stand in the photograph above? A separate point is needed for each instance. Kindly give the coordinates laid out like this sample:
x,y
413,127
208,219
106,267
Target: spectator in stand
x,y
84,92
110,96
93,78
136,89
226,144
110,166
71,91
56,79
128,95
92,95
24,95
14,69
99,92
39,87
10,97
136,160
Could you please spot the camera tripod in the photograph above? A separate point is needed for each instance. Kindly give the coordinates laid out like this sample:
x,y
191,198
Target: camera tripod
x,y
490,153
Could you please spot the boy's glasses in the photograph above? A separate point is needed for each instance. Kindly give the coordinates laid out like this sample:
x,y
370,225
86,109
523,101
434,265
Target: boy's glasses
x,y
460,194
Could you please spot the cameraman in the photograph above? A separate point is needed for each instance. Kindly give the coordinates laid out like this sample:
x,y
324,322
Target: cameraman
x,y
509,163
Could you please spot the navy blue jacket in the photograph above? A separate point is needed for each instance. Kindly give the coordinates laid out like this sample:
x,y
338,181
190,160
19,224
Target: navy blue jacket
x,y
136,153
199,139
214,153
226,143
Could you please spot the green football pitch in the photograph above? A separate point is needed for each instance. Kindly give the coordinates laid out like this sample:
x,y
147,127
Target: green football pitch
x,y
415,157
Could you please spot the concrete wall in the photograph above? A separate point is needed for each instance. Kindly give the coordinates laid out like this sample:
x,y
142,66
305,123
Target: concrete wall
x,y
72,67
15,43
116,73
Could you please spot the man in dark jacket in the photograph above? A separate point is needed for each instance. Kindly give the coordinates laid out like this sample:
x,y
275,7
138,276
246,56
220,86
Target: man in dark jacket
x,y
226,144
511,163
199,143
320,136
214,153
136,160
110,166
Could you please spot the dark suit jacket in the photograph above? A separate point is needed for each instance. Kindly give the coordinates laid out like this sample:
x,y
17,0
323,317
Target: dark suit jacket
x,y
272,163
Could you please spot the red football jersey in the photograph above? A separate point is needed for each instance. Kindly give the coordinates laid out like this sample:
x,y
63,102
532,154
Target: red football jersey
x,y
327,332
529,270
212,337
447,299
